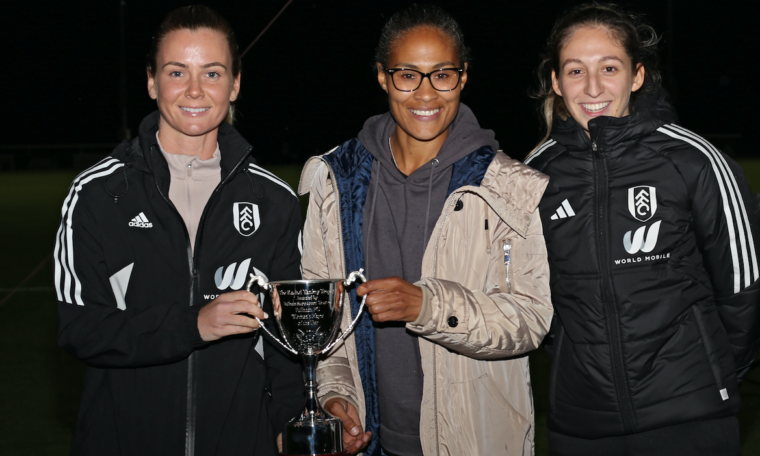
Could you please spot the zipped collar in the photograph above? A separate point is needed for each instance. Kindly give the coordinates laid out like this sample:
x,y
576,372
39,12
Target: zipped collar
x,y
612,133
143,152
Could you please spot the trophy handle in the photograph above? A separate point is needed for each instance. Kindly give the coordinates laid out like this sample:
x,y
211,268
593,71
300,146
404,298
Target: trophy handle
x,y
265,285
349,281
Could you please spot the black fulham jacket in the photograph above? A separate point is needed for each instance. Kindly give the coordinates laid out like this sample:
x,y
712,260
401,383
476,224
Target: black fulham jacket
x,y
652,247
129,290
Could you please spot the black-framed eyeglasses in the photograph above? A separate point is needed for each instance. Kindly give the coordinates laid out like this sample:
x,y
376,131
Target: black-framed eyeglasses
x,y
408,80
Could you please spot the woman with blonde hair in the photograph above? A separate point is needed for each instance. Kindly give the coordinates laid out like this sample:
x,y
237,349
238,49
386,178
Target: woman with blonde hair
x,y
154,247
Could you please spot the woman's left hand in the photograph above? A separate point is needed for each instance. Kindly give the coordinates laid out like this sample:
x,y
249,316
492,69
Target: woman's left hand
x,y
392,299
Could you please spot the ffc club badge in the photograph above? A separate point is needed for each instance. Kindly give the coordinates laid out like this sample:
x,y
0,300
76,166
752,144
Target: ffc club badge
x,y
642,202
246,218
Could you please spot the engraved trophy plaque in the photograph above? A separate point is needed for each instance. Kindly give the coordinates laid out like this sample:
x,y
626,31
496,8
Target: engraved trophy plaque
x,y
308,314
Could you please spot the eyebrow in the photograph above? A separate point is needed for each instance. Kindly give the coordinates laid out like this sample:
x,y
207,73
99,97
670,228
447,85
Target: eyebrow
x,y
213,64
606,57
413,66
182,65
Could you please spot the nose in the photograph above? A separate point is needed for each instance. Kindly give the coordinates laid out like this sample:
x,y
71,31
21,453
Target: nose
x,y
194,88
594,86
426,92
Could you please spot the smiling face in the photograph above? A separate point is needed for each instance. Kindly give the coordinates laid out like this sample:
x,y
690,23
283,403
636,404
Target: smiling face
x,y
193,84
596,77
425,114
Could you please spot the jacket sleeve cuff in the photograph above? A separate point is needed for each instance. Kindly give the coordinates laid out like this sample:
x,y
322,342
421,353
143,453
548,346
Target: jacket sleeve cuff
x,y
190,327
426,311
327,397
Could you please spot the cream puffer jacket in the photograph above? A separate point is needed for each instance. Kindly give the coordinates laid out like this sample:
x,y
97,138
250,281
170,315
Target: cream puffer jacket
x,y
492,284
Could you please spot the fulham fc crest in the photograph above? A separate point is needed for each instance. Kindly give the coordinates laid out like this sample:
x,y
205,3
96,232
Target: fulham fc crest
x,y
642,202
246,218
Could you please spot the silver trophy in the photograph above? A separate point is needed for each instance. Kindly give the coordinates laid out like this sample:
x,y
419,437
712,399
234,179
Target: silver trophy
x,y
308,313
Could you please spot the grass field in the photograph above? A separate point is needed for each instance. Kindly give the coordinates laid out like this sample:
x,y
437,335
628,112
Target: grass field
x,y
40,383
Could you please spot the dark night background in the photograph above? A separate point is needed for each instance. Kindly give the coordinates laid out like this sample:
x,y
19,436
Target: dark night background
x,y
308,83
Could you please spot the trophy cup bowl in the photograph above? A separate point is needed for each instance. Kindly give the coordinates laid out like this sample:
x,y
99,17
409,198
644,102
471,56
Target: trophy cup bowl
x,y
308,314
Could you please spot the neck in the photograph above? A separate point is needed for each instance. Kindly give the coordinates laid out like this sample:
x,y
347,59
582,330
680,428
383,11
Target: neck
x,y
411,153
173,142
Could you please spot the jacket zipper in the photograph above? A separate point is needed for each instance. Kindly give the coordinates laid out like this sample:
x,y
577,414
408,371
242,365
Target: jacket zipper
x,y
192,263
507,246
618,370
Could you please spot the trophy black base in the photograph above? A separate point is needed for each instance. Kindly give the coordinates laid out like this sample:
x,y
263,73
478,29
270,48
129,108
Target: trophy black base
x,y
318,437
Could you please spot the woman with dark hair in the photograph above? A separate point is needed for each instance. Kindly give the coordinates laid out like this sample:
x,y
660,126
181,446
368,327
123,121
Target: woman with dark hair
x,y
652,249
154,247
447,229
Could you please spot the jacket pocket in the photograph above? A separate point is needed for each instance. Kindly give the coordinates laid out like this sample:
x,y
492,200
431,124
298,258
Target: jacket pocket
x,y
555,367
506,246
709,351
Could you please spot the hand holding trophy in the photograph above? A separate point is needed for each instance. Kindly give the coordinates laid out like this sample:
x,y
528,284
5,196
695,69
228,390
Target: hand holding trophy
x,y
308,314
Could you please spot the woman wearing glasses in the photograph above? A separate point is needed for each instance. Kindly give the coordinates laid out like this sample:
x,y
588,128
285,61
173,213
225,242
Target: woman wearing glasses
x,y
448,232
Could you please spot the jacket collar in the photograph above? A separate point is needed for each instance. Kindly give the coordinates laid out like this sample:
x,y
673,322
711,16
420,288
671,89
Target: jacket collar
x,y
351,156
513,192
651,111
143,152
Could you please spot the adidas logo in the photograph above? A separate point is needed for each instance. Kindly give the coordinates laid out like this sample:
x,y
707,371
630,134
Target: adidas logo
x,y
141,221
564,211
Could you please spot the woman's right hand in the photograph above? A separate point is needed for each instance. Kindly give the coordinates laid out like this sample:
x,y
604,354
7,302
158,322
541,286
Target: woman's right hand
x,y
230,313
354,440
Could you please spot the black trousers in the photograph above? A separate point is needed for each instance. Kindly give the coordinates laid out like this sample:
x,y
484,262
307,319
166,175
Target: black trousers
x,y
718,437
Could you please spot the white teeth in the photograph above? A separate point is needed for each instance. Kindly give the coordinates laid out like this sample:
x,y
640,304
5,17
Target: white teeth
x,y
425,113
595,107
194,110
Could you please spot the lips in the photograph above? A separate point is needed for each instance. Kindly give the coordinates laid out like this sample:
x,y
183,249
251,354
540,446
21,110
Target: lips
x,y
425,113
595,108
194,110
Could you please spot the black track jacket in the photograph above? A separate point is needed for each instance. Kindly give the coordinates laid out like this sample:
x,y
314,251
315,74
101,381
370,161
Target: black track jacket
x,y
652,244
129,290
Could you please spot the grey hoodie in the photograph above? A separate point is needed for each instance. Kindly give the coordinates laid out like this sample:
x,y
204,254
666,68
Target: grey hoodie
x,y
400,213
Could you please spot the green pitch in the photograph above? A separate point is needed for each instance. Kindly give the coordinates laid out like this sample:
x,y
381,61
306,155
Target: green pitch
x,y
40,383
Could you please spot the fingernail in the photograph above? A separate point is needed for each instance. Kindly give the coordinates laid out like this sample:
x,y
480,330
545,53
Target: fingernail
x,y
355,430
266,315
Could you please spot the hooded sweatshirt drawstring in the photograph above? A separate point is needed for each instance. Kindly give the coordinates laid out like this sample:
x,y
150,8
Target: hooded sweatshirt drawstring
x,y
433,164
371,217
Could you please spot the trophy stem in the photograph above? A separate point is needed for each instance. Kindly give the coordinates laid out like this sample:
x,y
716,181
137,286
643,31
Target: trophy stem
x,y
313,409
315,432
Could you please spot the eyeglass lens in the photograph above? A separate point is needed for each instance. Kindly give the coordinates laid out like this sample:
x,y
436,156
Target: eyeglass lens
x,y
408,80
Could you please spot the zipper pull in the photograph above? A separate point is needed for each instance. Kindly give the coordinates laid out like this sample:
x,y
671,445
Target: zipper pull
x,y
593,146
507,246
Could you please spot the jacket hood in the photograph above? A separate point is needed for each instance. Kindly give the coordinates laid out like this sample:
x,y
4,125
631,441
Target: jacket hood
x,y
651,111
465,136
